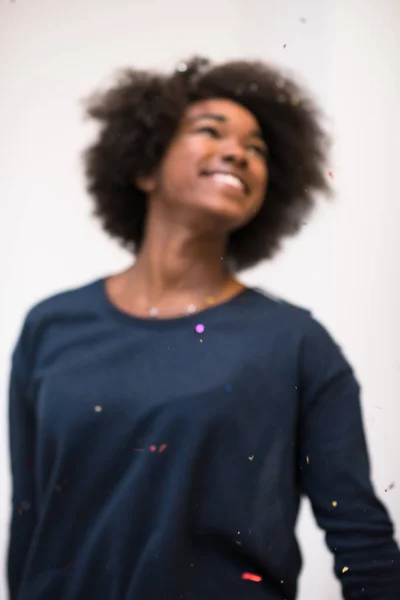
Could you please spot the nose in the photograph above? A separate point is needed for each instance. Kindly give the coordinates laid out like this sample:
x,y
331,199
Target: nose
x,y
235,154
237,158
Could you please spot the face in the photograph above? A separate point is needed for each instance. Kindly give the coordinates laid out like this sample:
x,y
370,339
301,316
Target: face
x,y
215,169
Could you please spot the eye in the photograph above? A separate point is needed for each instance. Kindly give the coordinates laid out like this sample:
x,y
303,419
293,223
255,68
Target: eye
x,y
208,129
259,150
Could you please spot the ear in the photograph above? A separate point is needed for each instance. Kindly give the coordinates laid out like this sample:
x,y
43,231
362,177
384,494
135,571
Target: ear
x,y
146,183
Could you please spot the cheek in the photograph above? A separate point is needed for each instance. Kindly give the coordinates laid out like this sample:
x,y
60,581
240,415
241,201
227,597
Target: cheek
x,y
261,177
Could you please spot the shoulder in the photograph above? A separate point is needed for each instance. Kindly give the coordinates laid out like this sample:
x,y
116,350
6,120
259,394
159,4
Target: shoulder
x,y
284,314
295,322
61,308
64,302
61,305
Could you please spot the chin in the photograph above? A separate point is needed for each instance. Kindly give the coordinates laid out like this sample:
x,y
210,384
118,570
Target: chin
x,y
226,218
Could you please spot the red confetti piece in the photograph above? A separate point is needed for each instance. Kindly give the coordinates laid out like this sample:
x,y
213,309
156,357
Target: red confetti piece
x,y
162,447
331,174
153,448
251,577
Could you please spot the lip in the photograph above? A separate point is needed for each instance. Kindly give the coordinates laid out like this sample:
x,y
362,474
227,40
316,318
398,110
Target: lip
x,y
209,173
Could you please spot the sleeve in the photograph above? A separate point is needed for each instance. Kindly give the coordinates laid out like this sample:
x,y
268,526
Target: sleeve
x,y
335,473
22,445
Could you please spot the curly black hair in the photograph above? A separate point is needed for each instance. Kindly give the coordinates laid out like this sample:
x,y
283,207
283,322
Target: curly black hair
x,y
140,115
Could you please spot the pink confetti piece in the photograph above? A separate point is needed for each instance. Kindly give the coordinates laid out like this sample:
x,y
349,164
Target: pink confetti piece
x,y
331,174
199,328
153,448
251,577
162,447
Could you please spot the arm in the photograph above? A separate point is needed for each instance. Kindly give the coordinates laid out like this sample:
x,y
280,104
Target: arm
x,y
335,473
22,440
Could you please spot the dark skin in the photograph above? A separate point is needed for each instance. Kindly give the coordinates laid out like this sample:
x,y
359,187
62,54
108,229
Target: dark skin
x,y
192,209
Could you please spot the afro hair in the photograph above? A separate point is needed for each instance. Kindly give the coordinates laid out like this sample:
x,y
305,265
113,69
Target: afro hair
x,y
140,114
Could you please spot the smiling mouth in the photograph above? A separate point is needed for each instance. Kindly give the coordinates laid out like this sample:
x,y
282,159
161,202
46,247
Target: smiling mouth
x,y
229,180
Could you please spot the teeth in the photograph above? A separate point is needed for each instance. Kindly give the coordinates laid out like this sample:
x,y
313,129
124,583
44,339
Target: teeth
x,y
229,179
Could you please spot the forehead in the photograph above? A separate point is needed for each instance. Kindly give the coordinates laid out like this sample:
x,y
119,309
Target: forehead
x,y
230,111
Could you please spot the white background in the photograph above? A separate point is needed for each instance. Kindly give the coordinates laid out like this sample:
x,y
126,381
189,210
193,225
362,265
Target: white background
x,y
344,266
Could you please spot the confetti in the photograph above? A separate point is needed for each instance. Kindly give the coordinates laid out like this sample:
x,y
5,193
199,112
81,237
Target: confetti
x,y
251,577
251,457
391,486
162,447
199,328
303,20
345,569
98,408
153,448
284,46
308,460
181,67
330,174
334,503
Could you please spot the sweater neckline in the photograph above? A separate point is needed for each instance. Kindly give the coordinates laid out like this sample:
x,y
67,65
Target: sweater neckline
x,y
165,323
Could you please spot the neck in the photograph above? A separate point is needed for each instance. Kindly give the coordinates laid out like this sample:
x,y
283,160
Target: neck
x,y
179,263
177,266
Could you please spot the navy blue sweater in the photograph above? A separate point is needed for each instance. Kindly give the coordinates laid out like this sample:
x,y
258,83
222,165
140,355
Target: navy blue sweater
x,y
154,462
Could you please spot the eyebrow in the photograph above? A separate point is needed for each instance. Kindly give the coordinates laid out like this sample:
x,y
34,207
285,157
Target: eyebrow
x,y
223,119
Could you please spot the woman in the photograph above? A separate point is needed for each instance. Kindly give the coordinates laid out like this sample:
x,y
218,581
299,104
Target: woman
x,y
166,420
